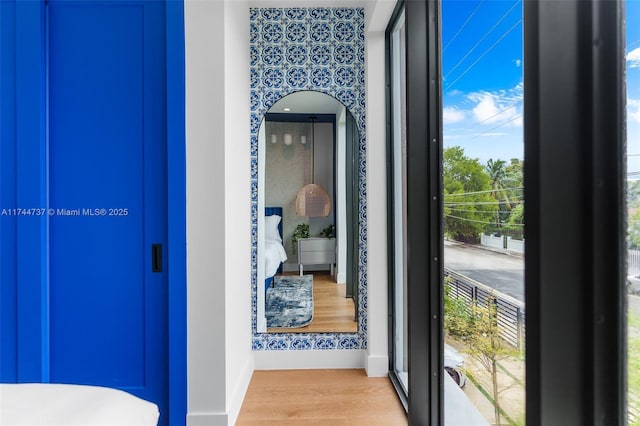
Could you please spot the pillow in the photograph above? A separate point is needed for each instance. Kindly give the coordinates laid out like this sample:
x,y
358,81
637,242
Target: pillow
x,y
271,227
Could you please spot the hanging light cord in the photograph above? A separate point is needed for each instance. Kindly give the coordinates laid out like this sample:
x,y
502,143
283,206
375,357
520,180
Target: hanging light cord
x,y
313,147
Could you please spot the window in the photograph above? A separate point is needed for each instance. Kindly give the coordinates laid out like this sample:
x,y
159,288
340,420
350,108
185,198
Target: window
x,y
633,210
484,306
398,152
574,180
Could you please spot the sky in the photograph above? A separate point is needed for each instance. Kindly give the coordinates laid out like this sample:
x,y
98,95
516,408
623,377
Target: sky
x,y
482,78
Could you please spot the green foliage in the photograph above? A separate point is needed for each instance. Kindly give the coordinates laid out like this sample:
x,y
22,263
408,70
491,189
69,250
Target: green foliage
x,y
457,316
301,231
516,219
483,340
468,204
633,359
633,194
478,328
633,230
506,186
328,232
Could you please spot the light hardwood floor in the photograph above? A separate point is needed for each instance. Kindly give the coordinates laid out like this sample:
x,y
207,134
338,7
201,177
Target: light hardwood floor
x,y
332,311
320,397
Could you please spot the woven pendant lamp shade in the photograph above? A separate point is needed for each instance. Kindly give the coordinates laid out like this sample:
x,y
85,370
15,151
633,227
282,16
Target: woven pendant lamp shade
x,y
313,201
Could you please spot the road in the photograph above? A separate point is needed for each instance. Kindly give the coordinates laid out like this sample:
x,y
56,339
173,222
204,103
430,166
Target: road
x,y
502,272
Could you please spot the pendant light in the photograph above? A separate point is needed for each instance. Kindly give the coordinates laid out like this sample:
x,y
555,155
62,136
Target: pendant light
x,y
312,200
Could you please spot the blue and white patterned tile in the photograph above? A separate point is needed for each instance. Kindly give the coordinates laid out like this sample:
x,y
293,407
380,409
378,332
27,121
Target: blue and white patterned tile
x,y
297,77
296,54
321,77
296,13
296,32
344,13
309,49
320,14
272,14
320,32
272,55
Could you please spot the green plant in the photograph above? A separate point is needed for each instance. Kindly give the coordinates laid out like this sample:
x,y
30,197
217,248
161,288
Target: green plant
x,y
457,316
487,347
328,232
301,231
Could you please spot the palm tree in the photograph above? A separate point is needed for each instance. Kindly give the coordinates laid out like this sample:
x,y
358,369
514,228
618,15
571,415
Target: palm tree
x,y
498,178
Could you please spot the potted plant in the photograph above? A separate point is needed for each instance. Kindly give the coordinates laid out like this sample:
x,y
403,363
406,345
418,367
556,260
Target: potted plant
x,y
328,232
301,231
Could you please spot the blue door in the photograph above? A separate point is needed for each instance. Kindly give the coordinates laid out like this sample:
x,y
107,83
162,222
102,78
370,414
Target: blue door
x,y
107,191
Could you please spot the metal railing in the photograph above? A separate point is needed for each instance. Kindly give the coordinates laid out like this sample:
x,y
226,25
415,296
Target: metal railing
x,y
511,313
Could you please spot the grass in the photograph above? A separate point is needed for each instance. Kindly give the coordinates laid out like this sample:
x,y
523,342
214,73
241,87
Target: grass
x,y
633,368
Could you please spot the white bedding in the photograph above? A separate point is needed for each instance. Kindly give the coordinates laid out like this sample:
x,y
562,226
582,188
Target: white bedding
x,y
72,405
274,255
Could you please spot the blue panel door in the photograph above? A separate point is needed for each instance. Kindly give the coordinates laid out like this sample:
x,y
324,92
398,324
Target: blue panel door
x,y
107,192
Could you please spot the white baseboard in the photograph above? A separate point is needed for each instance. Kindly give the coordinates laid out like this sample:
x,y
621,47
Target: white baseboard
x,y
341,278
233,409
207,419
377,366
238,394
293,360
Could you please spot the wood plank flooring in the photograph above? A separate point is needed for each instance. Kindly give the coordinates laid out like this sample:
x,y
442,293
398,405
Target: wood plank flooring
x,y
333,312
320,397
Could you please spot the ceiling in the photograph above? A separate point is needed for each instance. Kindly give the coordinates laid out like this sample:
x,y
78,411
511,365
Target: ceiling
x,y
377,12
307,102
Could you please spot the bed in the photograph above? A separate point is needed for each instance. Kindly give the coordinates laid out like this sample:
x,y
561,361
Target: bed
x,y
48,404
275,253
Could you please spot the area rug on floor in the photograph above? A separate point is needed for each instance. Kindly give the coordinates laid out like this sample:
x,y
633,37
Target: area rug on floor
x,y
289,302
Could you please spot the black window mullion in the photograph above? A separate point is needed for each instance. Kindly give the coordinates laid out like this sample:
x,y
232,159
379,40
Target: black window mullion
x,y
424,229
574,181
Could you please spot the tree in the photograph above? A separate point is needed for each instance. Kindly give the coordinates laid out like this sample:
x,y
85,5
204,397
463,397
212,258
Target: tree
x,y
468,204
477,326
516,220
633,230
498,181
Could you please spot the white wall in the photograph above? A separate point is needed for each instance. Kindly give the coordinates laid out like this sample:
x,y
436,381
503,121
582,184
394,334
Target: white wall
x,y
220,362
377,362
219,354
240,362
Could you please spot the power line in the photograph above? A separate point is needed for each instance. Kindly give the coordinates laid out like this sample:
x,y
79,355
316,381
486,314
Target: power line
x,y
498,126
457,194
479,221
463,25
482,38
478,211
482,203
497,114
484,54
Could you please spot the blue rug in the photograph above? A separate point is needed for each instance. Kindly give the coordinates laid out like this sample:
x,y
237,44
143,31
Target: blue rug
x,y
289,302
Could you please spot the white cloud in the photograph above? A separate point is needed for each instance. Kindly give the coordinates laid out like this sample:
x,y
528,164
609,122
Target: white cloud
x,y
518,62
633,58
452,115
633,110
495,108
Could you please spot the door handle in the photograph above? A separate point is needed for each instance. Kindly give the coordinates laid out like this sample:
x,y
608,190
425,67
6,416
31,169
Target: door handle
x,y
156,257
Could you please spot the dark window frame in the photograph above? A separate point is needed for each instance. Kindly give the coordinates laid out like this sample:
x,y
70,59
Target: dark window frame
x,y
574,169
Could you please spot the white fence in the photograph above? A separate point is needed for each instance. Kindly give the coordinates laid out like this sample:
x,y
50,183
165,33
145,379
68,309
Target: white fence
x,y
515,245
492,241
633,262
508,243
